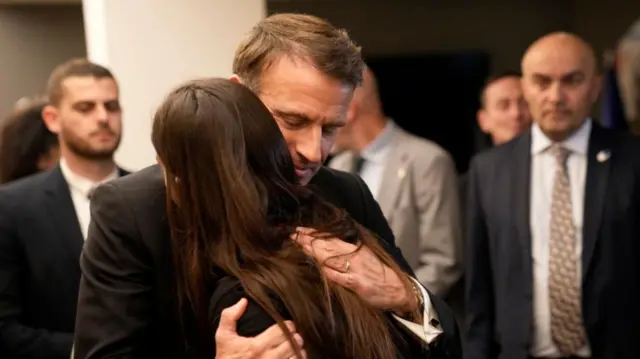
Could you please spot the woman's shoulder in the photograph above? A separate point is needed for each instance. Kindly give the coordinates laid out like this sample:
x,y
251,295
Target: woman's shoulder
x,y
227,292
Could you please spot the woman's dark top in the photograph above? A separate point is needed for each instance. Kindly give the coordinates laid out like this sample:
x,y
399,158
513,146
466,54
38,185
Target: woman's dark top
x,y
255,320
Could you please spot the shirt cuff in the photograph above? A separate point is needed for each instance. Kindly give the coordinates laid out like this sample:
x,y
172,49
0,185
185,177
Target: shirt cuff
x,y
430,328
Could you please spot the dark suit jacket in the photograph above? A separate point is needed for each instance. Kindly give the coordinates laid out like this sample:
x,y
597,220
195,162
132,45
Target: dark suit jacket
x,y
40,245
499,263
126,300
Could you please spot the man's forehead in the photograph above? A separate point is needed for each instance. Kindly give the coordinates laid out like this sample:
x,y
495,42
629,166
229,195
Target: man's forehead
x,y
504,87
80,88
557,73
300,91
288,78
326,114
316,108
557,65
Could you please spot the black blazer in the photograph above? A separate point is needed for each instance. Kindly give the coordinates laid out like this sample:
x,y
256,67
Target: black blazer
x,y
127,266
499,265
40,245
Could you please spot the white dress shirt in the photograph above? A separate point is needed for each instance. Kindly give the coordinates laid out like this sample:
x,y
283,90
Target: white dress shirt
x,y
426,331
375,156
543,166
80,189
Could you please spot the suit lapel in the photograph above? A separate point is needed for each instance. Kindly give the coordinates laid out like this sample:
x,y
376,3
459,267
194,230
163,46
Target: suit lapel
x,y
60,206
598,169
395,171
519,190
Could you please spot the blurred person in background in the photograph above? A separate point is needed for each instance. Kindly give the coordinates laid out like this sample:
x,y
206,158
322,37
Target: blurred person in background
x,y
414,182
44,217
628,68
26,144
503,114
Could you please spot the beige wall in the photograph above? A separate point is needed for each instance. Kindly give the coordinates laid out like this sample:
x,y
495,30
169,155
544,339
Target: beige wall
x,y
33,40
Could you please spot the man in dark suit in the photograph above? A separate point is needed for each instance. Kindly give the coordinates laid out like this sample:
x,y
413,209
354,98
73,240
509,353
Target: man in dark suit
x,y
126,301
502,116
553,224
44,218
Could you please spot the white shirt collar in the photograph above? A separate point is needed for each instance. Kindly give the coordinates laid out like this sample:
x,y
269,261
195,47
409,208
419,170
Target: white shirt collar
x,y
83,185
376,151
578,142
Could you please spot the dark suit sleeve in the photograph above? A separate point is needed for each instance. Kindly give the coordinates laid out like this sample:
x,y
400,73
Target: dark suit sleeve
x,y
18,340
114,298
374,220
479,280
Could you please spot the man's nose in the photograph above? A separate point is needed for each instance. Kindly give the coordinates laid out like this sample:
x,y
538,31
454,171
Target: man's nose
x,y
102,114
309,145
555,93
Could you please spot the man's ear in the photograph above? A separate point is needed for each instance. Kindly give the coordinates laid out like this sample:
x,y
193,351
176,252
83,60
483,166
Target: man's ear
x,y
483,121
51,118
236,78
596,87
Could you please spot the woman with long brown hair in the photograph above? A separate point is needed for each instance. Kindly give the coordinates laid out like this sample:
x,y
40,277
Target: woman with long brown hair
x,y
233,204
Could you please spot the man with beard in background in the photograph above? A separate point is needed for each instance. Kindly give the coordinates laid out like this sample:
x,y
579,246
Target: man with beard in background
x,y
44,218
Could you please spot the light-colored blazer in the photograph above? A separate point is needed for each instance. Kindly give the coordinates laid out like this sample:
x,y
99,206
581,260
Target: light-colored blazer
x,y
419,197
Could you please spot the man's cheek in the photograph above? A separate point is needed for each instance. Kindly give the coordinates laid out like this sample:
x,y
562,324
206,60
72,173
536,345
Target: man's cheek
x,y
326,148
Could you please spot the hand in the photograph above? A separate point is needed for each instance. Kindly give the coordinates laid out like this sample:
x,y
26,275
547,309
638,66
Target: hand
x,y
270,344
358,270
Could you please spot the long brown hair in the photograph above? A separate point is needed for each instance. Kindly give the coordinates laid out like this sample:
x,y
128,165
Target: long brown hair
x,y
233,202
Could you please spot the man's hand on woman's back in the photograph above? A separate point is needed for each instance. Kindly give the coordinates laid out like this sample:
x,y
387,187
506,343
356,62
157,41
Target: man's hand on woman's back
x,y
270,344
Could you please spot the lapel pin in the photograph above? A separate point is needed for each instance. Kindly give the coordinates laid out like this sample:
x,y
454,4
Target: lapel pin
x,y
603,155
401,173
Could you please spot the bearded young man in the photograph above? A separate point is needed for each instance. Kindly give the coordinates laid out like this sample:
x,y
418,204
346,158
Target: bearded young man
x,y
44,218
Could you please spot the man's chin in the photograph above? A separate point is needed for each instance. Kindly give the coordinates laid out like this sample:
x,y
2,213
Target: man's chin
x,y
96,154
305,176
